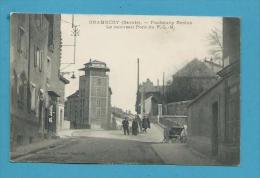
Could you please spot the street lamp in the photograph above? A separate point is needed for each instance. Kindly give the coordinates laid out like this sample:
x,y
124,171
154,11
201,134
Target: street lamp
x,y
73,76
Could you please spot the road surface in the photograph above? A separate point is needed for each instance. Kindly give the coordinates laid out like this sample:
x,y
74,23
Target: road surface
x,y
96,150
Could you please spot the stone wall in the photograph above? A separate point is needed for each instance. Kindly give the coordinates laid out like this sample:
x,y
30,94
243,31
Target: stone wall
x,y
178,108
200,119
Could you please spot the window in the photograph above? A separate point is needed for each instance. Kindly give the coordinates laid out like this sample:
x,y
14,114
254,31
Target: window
x,y
22,90
36,57
33,97
98,102
50,19
19,139
41,61
14,88
21,45
39,20
98,91
99,81
21,95
99,112
61,118
48,67
37,103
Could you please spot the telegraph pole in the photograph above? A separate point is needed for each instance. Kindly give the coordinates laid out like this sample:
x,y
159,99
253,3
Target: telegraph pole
x,y
163,96
137,92
137,75
75,33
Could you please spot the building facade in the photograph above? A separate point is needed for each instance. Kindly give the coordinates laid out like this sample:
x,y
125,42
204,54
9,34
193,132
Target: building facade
x,y
37,89
72,109
178,108
214,116
148,98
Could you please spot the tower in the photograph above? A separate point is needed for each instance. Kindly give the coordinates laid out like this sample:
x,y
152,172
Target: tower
x,y
94,95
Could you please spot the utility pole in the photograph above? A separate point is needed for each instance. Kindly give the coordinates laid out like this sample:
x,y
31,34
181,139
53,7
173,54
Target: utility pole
x,y
137,92
137,75
75,33
163,96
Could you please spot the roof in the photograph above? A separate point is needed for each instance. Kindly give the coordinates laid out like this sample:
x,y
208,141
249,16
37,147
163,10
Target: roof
x,y
53,93
195,68
64,80
76,94
213,63
222,73
95,64
235,66
110,90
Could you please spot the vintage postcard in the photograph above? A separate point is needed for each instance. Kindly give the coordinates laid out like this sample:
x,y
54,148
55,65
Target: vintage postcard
x,y
129,89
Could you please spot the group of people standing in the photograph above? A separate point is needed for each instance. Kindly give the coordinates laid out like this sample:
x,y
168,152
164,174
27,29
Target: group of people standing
x,y
138,125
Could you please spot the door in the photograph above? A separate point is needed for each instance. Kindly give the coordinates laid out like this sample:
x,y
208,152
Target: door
x,y
215,129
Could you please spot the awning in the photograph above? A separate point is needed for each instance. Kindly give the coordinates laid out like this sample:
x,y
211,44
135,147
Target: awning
x,y
53,93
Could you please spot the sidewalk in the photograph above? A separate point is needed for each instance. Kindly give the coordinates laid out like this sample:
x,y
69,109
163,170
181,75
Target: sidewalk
x,y
35,147
181,154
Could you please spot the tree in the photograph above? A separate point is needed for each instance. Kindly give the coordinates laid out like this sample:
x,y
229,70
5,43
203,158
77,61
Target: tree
x,y
216,45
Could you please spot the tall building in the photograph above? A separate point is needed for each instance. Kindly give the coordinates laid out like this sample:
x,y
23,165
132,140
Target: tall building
x,y
94,96
37,88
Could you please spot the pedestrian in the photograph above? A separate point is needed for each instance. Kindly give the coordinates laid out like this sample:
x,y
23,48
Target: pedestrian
x,y
114,125
184,134
166,135
148,122
125,124
145,124
139,123
134,127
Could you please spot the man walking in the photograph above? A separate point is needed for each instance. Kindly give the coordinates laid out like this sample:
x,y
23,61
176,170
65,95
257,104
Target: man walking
x,y
145,124
134,127
139,123
125,124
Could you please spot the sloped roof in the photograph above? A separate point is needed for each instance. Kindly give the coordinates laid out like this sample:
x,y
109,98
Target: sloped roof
x,y
195,68
95,64
64,80
76,94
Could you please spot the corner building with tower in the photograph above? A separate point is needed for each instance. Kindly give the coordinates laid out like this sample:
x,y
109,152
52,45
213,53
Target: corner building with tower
x,y
94,96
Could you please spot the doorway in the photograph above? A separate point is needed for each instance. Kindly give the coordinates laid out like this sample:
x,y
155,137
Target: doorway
x,y
215,129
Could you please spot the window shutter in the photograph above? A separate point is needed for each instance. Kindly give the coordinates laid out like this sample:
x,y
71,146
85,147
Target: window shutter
x,y
33,94
41,60
35,56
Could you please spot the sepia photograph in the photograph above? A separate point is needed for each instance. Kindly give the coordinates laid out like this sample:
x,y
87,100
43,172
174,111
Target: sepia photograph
x,y
124,89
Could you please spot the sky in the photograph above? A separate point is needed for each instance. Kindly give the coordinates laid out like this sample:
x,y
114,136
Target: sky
x,y
159,49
